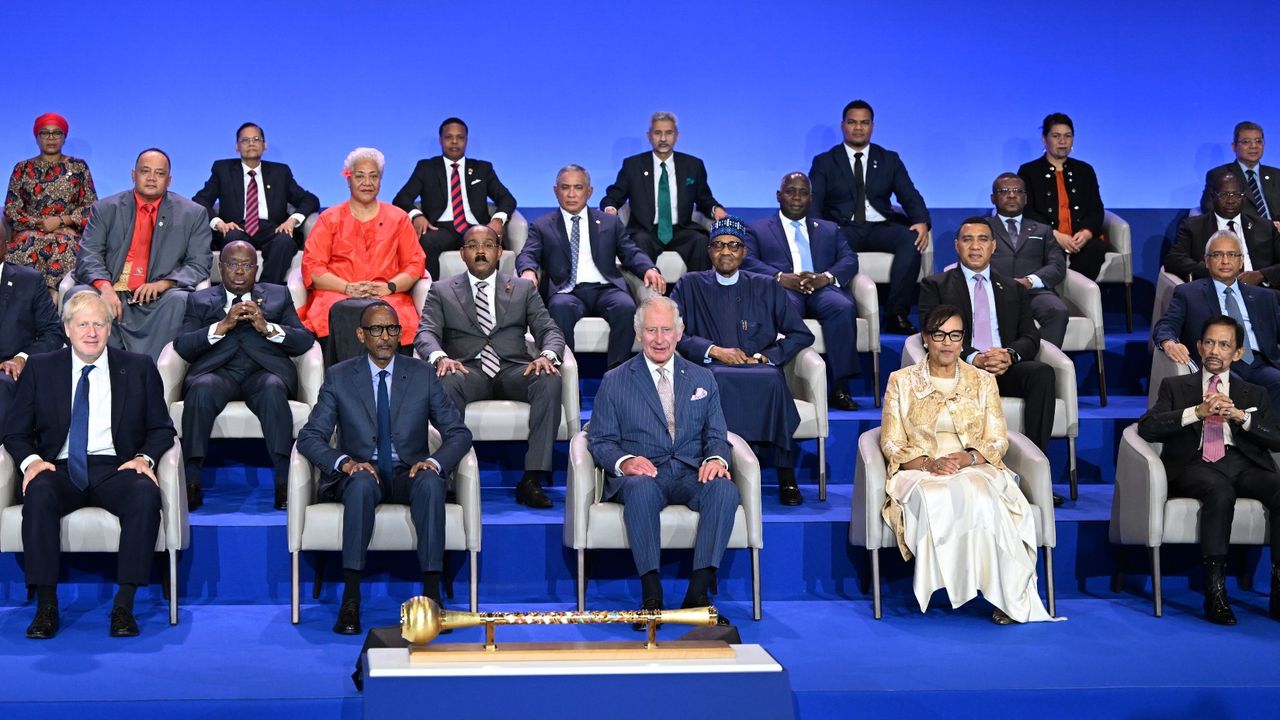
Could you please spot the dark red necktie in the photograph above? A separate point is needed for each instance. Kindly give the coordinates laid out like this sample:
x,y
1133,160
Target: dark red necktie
x,y
251,206
455,198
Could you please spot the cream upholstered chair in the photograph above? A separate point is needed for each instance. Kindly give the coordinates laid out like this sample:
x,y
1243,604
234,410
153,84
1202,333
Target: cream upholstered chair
x,y
867,528
236,420
876,265
867,302
1117,265
1142,513
1084,323
1161,368
315,524
590,524
93,529
807,380
1066,405
517,233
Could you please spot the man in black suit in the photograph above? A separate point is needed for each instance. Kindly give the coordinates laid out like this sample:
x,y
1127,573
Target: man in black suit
x,y
1003,339
254,197
582,278
1026,251
1218,436
852,185
239,337
1261,246
472,331
381,404
1262,182
28,325
88,439
454,191
663,187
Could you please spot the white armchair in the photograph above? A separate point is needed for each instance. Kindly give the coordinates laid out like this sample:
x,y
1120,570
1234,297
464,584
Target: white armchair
x,y
317,525
807,380
1084,324
867,302
93,529
876,265
868,529
1117,265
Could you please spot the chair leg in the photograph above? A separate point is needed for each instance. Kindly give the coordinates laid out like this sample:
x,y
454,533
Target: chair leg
x,y
295,587
756,610
319,578
822,469
1102,379
1155,581
1071,457
173,586
875,380
1048,582
1128,307
875,582
582,580
1117,577
475,581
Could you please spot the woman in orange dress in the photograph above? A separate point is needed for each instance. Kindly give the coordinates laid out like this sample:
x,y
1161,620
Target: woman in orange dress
x,y
363,248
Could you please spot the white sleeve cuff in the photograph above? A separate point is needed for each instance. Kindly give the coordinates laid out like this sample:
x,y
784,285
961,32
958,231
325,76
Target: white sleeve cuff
x,y
298,218
277,335
617,467
1036,282
433,357
500,216
214,337
26,462
1189,416
414,213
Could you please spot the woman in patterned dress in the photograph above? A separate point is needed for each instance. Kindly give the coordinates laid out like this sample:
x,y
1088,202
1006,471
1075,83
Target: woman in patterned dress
x,y
48,204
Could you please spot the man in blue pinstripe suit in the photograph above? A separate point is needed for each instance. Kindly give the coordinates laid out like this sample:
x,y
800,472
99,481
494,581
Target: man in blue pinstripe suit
x,y
658,430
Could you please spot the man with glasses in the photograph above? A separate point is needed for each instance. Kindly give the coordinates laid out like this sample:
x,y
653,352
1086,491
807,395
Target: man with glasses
x,y
380,404
741,326
239,338
1026,251
1261,240
1224,292
253,197
1261,182
472,331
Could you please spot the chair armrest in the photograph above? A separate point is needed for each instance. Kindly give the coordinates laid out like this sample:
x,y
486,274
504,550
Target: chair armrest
x,y
807,379
1025,459
1064,373
870,475
173,370
746,475
636,285
912,350
517,232
171,478
867,301
466,486
1084,299
1137,510
1121,239
302,491
308,224
580,488
926,257
1162,367
570,393
297,291
310,366
419,292
10,479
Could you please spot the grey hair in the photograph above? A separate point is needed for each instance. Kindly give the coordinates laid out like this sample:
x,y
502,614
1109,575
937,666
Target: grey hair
x,y
571,167
361,154
82,301
660,301
1223,234
663,116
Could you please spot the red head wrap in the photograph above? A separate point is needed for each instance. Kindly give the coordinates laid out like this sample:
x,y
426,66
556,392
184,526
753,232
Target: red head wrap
x,y
48,119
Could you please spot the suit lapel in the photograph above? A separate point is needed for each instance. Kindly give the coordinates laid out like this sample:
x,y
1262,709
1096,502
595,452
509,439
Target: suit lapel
x,y
362,382
598,253
682,390
680,164
236,185
462,292
960,291
1002,233
399,386
648,388
6,292
119,391
501,297
841,157
1006,299
780,240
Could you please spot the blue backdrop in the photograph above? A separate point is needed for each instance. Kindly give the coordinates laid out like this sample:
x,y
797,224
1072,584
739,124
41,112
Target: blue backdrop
x,y
959,88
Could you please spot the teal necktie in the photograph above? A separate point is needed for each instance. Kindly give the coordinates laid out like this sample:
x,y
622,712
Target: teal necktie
x,y
664,207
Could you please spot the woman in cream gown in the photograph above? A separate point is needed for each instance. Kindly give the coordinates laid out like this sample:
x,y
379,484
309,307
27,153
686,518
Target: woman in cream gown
x,y
952,502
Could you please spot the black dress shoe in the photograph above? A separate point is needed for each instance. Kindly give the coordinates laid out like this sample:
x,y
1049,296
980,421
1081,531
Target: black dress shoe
x,y
195,497
282,498
1058,500
348,618
529,492
842,400
122,622
788,490
898,324
1000,617
648,604
1217,609
46,623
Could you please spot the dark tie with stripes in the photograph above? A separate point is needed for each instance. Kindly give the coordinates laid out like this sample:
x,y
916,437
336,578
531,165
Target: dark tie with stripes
x,y
455,201
251,205
488,357
1256,191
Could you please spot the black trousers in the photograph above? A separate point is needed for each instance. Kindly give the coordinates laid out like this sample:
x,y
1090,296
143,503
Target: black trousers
x,y
268,399
900,241
129,495
1088,260
689,243
361,494
597,300
277,249
1216,486
1033,381
443,239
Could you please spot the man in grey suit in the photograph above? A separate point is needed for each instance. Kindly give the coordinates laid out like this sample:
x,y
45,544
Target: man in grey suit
x,y
143,251
380,404
658,431
1026,251
472,331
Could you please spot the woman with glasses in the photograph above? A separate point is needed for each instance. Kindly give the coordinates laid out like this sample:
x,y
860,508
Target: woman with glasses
x,y
360,251
48,204
1062,192
952,503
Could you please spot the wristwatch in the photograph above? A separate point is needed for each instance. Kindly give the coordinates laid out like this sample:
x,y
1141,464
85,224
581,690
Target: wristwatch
x,y
391,286
973,458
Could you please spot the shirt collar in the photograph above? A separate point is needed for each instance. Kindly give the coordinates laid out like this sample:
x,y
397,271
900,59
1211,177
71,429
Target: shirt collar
x,y
566,215
153,203
244,169
78,365
1224,379
1004,219
786,221
448,164
1247,168
492,280
850,151
669,365
671,161
968,274
1219,286
731,280
374,369
1224,220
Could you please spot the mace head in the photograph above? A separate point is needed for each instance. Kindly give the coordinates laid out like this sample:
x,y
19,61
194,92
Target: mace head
x,y
420,620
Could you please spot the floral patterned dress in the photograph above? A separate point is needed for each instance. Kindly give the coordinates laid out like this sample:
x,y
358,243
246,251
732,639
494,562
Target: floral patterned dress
x,y
39,189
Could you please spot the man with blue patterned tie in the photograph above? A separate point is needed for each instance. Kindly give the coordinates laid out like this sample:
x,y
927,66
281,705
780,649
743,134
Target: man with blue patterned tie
x,y
88,439
388,459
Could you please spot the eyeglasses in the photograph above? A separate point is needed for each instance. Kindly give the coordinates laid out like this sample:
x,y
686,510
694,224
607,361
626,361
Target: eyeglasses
x,y
473,246
1249,141
377,330
51,133
237,266
953,336
1230,195
1218,255
735,246
1010,191
250,140
83,325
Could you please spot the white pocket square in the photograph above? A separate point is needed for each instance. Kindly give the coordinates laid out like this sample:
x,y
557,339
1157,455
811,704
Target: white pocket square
x,y
698,394
473,182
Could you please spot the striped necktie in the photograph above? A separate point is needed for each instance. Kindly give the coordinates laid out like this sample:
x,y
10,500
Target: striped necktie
x,y
455,200
1213,444
488,356
251,205
1255,190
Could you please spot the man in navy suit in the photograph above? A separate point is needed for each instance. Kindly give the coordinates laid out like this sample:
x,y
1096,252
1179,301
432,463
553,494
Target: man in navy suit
x,y
1222,293
268,225
812,261
380,404
663,187
658,430
852,184
454,191
575,249
28,325
88,439
239,337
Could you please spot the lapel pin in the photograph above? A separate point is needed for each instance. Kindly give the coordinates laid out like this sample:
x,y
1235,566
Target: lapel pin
x,y
646,173
160,224
470,170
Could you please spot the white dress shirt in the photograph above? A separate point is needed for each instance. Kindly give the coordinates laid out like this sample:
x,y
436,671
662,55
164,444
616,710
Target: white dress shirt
x,y
672,185
873,215
274,333
587,270
1238,221
1224,387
